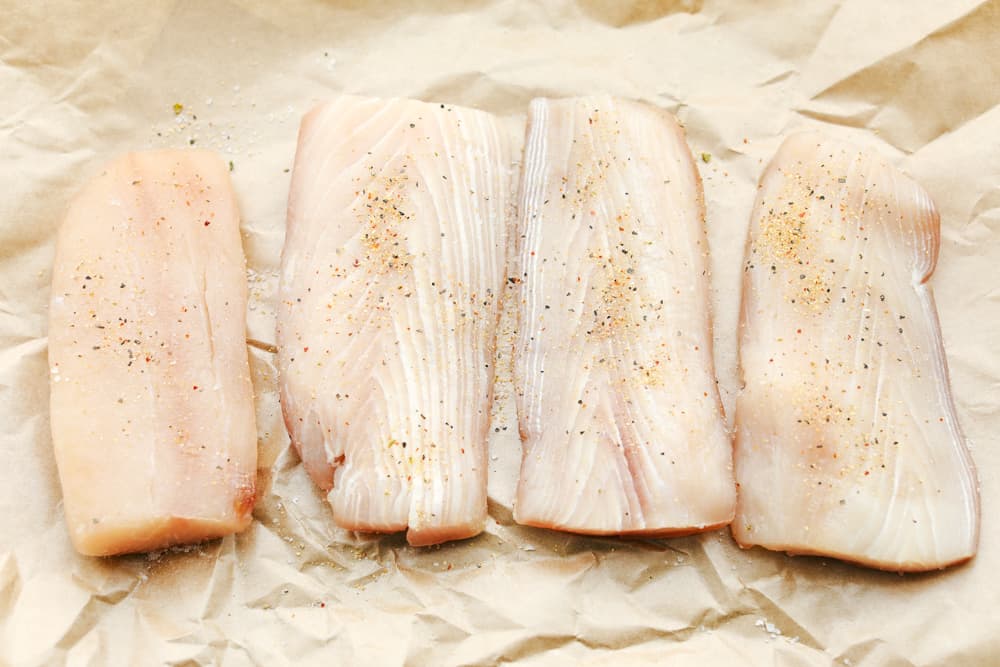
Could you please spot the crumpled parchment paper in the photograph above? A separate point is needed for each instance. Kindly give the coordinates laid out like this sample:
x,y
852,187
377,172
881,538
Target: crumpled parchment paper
x,y
918,80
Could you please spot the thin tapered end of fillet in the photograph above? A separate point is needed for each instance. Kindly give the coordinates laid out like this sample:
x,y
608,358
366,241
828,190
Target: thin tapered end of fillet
x,y
847,444
438,534
898,565
619,413
153,534
152,414
418,534
391,274
651,533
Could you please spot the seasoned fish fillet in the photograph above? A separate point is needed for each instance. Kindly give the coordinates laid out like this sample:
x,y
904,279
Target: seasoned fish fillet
x,y
152,406
619,413
391,272
848,444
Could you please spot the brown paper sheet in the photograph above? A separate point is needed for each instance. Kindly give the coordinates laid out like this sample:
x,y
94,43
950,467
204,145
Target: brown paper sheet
x,y
916,79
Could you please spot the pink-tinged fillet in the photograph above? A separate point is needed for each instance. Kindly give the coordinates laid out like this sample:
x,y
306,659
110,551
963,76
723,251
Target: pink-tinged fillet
x,y
619,412
151,400
848,444
391,273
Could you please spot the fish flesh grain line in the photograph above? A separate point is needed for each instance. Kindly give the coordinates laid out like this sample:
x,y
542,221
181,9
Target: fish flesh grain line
x,y
619,413
847,444
391,275
151,399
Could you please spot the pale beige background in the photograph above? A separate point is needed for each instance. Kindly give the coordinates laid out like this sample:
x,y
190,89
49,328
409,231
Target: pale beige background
x,y
80,82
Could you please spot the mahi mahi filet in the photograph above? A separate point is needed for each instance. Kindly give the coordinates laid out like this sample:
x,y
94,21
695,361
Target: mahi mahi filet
x,y
391,272
151,400
848,444
618,408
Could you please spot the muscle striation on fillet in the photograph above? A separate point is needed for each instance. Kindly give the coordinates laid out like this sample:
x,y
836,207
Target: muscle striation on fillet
x,y
391,273
619,412
848,444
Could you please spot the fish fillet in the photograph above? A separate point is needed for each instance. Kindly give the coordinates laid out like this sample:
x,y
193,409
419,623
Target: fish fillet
x,y
848,444
151,400
391,272
619,413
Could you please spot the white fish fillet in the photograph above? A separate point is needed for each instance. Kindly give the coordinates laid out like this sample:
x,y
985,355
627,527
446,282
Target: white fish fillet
x,y
619,413
151,400
848,444
391,272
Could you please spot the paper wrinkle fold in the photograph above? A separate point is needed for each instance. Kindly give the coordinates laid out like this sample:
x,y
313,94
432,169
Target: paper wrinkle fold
x,y
915,80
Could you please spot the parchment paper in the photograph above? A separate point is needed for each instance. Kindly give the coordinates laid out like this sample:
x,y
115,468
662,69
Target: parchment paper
x,y
82,82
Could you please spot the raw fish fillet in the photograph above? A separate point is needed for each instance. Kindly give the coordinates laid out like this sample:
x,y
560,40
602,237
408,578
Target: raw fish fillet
x,y
152,405
391,272
848,444
619,413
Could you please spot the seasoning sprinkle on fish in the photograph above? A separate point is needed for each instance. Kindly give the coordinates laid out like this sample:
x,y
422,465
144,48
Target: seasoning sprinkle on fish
x,y
847,440
151,400
391,273
619,412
